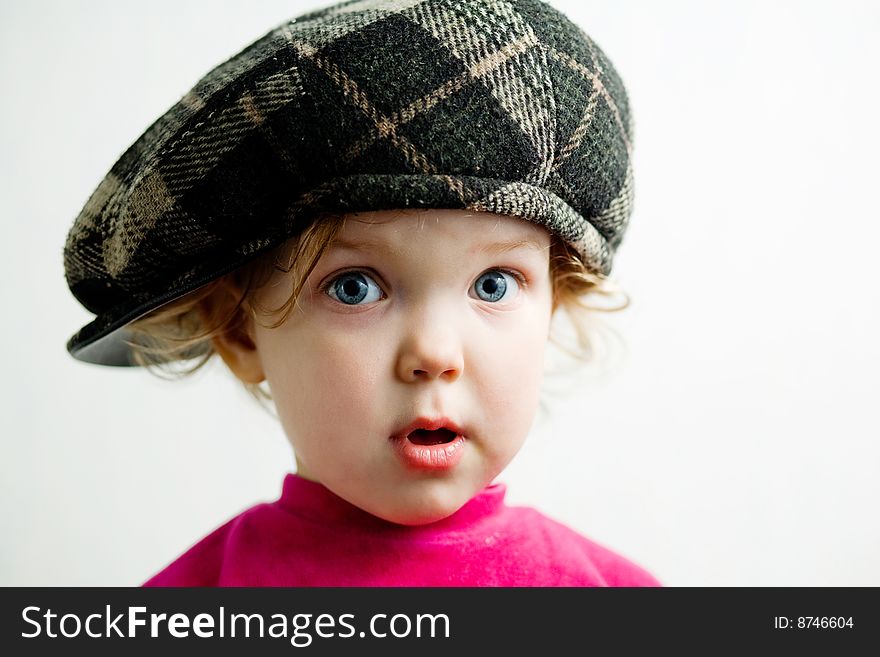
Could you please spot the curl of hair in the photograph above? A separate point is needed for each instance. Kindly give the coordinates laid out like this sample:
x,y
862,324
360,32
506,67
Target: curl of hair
x,y
177,339
583,295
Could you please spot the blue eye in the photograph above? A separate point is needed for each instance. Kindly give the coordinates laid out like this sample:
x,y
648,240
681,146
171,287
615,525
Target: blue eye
x,y
352,287
493,285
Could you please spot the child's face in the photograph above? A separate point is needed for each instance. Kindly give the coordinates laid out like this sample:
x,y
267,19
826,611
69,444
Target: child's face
x,y
420,319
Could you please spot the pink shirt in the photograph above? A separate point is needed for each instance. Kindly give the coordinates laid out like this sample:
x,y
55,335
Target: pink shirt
x,y
312,537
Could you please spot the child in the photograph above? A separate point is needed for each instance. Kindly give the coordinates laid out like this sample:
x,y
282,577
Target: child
x,y
376,209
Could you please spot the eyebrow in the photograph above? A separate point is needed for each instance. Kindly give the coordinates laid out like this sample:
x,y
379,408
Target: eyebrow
x,y
496,248
493,248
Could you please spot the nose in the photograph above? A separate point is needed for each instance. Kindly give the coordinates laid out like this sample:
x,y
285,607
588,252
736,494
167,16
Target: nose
x,y
431,349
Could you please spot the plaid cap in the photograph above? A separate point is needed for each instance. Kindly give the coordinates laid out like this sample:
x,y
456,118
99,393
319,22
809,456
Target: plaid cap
x,y
500,106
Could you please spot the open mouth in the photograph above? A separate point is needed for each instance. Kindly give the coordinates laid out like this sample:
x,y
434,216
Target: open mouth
x,y
428,437
431,445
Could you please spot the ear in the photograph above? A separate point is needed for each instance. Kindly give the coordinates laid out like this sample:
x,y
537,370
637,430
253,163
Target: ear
x,y
236,346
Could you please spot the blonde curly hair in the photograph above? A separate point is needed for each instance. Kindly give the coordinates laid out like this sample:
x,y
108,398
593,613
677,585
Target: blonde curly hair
x,y
177,339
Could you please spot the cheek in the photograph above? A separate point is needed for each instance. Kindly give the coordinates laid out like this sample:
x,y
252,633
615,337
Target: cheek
x,y
510,369
321,380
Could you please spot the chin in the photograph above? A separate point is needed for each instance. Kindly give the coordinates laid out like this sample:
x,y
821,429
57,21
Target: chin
x,y
431,506
419,518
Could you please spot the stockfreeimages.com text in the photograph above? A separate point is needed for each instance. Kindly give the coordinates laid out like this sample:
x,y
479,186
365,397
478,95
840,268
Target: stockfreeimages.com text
x,y
299,628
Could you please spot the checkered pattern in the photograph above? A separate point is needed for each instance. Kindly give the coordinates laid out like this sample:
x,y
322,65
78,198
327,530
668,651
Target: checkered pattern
x,y
486,105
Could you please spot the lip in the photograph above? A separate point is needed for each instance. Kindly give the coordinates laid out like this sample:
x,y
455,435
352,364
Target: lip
x,y
444,456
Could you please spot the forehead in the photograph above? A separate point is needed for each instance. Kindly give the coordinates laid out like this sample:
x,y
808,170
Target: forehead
x,y
391,230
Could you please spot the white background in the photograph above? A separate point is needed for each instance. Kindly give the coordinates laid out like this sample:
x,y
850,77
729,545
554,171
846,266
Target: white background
x,y
733,441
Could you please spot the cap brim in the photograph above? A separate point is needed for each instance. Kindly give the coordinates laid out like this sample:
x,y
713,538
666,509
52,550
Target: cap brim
x,y
104,340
